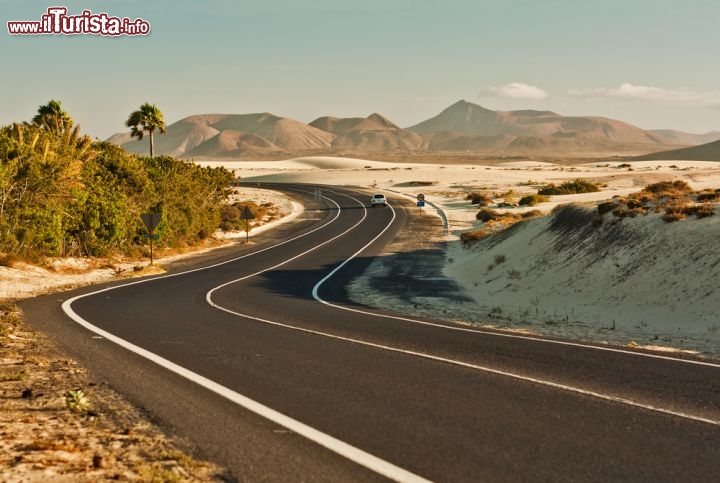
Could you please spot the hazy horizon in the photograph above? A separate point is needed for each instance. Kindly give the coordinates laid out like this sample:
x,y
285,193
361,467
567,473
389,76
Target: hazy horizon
x,y
645,63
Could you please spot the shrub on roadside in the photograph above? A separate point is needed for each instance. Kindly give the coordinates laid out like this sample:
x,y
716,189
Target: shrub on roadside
x,y
480,199
470,236
569,188
532,200
708,195
675,199
486,214
531,214
669,188
606,207
701,211
9,260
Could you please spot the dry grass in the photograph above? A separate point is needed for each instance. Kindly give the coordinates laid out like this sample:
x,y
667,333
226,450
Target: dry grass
x,y
496,221
532,200
675,199
9,260
480,199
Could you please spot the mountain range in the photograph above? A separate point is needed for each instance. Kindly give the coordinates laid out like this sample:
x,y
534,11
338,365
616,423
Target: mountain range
x,y
463,127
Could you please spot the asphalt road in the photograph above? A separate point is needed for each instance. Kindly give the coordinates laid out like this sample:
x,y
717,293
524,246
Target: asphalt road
x,y
278,377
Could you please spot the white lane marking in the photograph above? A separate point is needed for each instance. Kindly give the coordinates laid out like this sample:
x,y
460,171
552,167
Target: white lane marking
x,y
317,297
333,444
341,448
478,367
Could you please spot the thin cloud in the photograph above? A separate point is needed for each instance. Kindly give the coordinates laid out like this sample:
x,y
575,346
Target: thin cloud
x,y
516,90
651,93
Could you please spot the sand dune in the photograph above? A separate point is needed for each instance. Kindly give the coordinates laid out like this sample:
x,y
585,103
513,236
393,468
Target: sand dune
x,y
636,279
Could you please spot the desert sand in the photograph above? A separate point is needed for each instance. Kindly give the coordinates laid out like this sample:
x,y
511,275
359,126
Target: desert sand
x,y
651,284
632,281
638,281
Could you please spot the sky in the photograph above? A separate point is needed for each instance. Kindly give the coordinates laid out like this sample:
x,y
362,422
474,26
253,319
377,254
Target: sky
x,y
652,63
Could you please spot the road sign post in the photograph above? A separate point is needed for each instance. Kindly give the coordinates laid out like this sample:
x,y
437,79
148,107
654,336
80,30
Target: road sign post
x,y
247,215
151,221
421,200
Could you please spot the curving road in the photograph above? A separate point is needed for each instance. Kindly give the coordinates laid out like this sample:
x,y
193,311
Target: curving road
x,y
256,357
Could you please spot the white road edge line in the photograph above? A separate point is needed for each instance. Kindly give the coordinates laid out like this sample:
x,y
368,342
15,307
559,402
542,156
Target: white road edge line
x,y
476,367
339,447
442,359
480,331
350,452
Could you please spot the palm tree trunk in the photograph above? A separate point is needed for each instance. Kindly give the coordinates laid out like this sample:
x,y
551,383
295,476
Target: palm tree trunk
x,y
152,145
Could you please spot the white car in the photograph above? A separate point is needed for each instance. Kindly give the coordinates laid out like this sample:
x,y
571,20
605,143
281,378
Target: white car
x,y
378,199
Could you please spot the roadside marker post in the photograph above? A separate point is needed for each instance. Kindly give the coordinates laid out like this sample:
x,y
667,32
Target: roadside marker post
x,y
247,215
151,221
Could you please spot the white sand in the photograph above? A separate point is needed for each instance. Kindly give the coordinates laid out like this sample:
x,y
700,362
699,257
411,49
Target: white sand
x,y
667,299
654,287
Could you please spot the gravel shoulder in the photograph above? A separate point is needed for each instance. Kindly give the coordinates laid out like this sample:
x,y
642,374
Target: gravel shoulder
x,y
45,438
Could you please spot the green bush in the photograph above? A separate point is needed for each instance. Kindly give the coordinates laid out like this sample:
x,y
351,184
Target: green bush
x,y
569,188
61,194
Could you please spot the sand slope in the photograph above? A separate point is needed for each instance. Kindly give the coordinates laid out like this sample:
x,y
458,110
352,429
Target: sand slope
x,y
639,279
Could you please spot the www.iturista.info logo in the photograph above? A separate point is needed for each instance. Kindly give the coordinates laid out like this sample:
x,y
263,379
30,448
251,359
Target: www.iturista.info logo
x,y
57,22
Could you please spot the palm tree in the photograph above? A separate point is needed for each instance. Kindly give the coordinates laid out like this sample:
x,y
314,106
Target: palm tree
x,y
147,118
52,116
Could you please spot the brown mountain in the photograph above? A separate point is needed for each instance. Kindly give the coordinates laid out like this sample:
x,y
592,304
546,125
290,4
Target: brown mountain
x,y
468,118
368,134
186,135
456,141
181,137
230,144
340,126
462,127
704,152
687,138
